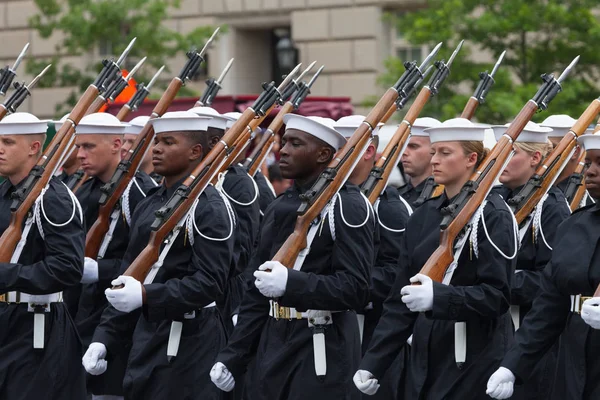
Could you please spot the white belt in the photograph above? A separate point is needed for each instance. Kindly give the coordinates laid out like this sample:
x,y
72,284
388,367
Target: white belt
x,y
37,304
318,320
577,302
39,299
175,333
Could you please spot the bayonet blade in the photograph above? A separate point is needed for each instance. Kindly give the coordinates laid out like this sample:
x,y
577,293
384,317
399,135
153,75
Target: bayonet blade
x,y
153,80
315,76
430,56
453,56
134,69
427,71
567,70
303,74
126,52
209,41
225,71
38,77
288,78
498,64
20,58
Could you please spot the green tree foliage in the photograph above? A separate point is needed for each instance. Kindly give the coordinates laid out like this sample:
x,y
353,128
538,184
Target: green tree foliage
x,y
88,25
540,36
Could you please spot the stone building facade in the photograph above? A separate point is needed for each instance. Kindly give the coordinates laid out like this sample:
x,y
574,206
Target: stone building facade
x,y
350,37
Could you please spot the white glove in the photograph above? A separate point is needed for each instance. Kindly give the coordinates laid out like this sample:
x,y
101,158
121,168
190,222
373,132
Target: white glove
x,y
90,271
234,319
221,377
128,298
590,312
418,298
366,382
93,360
271,284
500,385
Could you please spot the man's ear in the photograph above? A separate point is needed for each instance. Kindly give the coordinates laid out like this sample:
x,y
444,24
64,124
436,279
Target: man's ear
x,y
370,153
196,152
325,154
117,143
35,148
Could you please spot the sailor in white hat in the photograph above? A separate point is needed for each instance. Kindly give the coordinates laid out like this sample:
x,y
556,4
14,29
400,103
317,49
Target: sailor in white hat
x,y
39,332
416,162
243,193
537,237
99,138
477,291
332,278
172,314
391,212
560,125
564,304
130,135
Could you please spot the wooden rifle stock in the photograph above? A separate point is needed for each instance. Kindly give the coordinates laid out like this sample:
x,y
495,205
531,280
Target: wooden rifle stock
x,y
241,143
96,234
557,159
260,152
195,185
581,190
49,161
470,108
393,151
124,112
3,112
342,164
485,176
389,113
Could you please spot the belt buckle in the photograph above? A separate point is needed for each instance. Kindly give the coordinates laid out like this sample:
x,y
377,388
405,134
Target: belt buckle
x,y
276,311
582,299
3,297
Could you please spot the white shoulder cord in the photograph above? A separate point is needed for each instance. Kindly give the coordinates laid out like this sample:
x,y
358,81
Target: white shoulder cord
x,y
219,186
479,215
537,221
191,222
408,208
331,214
39,206
125,198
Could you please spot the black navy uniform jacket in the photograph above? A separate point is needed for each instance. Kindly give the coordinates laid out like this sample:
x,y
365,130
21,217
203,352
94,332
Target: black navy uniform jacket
x,y
562,185
412,193
334,277
573,269
266,191
46,266
191,278
392,213
478,294
532,258
88,300
243,195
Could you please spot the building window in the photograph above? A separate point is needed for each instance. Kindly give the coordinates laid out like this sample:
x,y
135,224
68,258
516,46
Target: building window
x,y
403,49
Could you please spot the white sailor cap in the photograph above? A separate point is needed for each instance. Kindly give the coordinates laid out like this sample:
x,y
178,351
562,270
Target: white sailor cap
x,y
386,132
217,120
418,128
456,130
58,124
532,133
179,121
350,123
559,123
589,141
231,118
22,123
319,127
136,125
100,124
